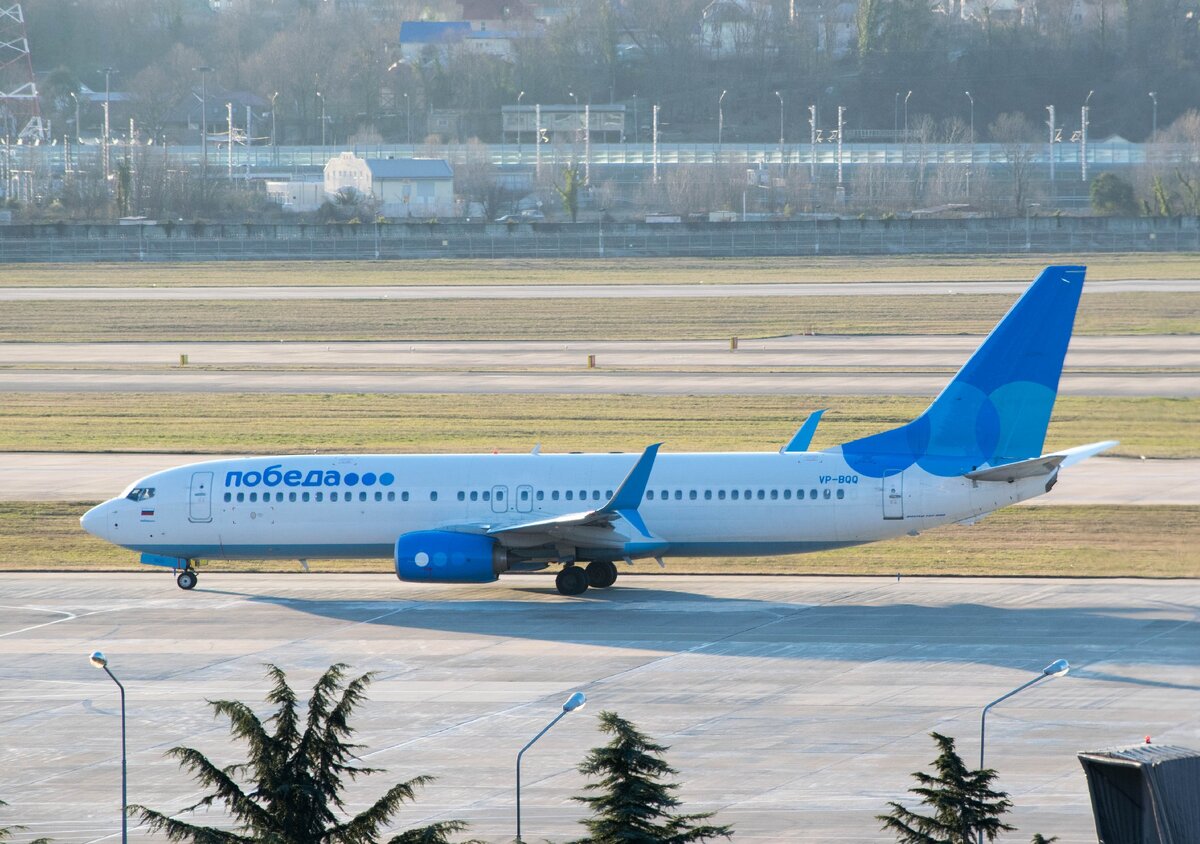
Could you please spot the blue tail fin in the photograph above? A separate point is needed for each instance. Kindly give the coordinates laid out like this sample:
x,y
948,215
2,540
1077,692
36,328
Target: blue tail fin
x,y
997,408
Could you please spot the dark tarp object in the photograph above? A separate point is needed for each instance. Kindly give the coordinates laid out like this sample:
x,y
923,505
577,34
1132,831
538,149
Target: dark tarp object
x,y
1145,794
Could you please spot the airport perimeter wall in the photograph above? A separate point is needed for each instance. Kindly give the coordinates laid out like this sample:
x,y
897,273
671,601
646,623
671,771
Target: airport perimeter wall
x,y
347,241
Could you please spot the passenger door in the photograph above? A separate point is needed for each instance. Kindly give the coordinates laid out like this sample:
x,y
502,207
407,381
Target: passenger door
x,y
499,499
200,497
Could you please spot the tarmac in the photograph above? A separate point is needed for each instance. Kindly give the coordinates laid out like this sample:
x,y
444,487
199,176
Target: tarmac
x,y
50,476
795,708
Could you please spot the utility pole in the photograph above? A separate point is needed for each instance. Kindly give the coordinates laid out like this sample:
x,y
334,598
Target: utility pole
x,y
204,70
537,141
1050,123
1083,129
841,123
587,144
812,142
229,140
108,71
654,152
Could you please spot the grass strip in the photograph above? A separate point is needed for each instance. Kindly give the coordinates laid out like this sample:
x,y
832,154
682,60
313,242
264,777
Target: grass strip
x,y
1051,541
570,319
934,268
282,422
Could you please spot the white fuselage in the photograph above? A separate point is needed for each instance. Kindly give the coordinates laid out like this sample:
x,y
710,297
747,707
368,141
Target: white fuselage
x,y
325,506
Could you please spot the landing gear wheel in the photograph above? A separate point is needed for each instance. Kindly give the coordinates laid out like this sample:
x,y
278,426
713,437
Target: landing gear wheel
x,y
601,574
186,579
572,580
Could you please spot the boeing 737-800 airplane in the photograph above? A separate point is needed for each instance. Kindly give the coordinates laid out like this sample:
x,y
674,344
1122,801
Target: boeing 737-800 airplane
x,y
468,518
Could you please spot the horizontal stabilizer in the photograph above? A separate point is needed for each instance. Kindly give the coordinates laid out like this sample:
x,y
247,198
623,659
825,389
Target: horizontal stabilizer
x,y
1036,466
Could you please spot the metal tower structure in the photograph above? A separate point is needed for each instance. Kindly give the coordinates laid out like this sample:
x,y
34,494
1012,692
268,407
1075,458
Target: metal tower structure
x,y
19,109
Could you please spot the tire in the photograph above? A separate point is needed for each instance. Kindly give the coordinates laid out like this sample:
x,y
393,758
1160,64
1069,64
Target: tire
x,y
186,579
572,580
601,574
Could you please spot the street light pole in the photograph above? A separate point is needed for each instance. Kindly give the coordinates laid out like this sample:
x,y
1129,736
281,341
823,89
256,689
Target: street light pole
x,y
274,143
1055,669
108,71
204,70
1083,127
519,121
575,701
780,96
906,96
100,661
972,99
1154,119
322,99
720,116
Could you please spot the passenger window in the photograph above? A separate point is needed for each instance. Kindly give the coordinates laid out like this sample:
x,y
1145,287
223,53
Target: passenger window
x,y
607,494
524,495
279,497
708,495
541,496
487,495
570,496
812,493
320,496
391,496
787,495
827,493
229,496
595,495
474,495
734,495
304,496
291,496
841,493
774,494
749,494
679,495
404,495
554,495
761,495
254,496
362,496
462,496
499,495
692,495
333,496
664,494
583,495
721,494
241,497
378,496
433,496
649,495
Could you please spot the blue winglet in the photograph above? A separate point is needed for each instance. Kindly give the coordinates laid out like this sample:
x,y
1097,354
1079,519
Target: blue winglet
x,y
804,437
629,495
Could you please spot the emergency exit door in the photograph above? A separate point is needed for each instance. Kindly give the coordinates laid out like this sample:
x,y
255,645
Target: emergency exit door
x,y
200,497
893,496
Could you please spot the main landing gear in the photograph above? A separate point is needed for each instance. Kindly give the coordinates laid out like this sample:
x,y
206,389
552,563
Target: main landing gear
x,y
186,579
573,580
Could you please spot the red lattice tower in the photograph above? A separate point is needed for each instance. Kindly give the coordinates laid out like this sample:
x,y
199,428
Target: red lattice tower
x,y
20,112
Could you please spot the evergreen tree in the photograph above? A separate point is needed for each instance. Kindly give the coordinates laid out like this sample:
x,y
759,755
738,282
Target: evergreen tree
x,y
962,801
296,770
570,191
630,803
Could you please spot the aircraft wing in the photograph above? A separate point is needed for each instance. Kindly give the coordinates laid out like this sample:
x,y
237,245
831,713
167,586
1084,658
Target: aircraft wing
x,y
583,526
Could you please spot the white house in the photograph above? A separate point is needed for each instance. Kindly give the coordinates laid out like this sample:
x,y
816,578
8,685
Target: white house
x,y
403,187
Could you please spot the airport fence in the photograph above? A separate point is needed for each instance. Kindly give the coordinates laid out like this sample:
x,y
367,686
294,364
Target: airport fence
x,y
1064,235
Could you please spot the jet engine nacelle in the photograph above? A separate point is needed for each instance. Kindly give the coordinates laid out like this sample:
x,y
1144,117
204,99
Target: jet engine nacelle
x,y
448,557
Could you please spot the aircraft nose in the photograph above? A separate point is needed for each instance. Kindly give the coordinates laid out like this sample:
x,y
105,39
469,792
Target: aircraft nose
x,y
95,521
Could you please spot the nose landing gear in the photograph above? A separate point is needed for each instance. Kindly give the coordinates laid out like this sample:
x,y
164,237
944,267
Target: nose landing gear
x,y
186,579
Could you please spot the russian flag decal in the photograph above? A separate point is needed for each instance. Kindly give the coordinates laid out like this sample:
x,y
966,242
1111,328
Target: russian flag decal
x,y
147,512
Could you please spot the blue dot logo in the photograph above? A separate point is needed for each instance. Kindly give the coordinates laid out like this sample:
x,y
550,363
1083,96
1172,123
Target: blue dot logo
x,y
368,479
351,478
387,479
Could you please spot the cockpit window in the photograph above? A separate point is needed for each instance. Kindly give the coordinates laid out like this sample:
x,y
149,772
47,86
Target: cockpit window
x,y
141,493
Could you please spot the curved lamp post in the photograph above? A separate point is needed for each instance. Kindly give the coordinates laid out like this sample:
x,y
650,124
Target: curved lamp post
x,y
99,660
1055,669
575,701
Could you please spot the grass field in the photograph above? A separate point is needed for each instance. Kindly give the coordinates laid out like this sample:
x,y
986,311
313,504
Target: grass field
x,y
1062,541
266,423
563,319
640,271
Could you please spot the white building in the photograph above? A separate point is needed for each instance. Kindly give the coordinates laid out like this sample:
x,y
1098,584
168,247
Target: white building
x,y
403,187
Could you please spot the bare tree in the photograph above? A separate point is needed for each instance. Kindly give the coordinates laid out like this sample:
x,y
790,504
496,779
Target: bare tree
x,y
1017,137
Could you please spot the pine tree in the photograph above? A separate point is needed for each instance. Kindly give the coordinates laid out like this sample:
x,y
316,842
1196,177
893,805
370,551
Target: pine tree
x,y
630,803
962,801
296,771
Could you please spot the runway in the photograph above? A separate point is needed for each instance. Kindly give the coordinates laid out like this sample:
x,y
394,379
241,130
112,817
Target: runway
x,y
94,477
570,291
585,382
795,708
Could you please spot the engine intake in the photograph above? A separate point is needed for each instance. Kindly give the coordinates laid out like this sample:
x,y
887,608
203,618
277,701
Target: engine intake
x,y
443,556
